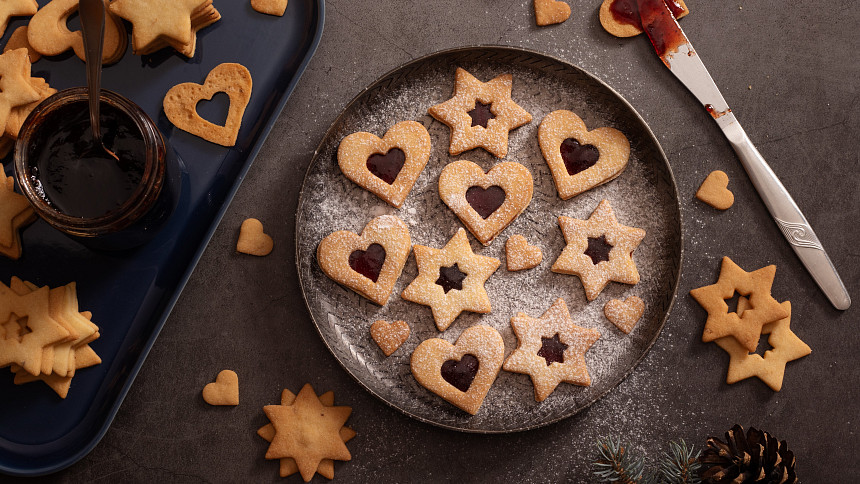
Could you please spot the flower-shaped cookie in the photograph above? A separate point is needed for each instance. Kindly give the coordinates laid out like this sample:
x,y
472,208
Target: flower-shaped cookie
x,y
551,349
480,114
451,280
598,250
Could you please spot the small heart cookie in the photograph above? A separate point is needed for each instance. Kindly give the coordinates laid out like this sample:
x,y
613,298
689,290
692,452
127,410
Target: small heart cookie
x,y
369,264
624,314
461,373
520,255
389,336
548,12
180,103
388,166
270,7
224,390
252,239
48,32
486,202
715,192
580,159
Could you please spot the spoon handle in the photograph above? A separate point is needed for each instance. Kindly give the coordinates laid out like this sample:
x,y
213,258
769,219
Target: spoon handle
x,y
92,16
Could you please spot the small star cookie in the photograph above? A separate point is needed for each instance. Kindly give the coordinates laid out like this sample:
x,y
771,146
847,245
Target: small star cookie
x,y
480,114
160,23
551,349
15,212
598,250
15,8
451,280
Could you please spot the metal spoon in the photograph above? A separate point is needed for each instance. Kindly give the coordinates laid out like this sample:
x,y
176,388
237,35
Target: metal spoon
x,y
92,15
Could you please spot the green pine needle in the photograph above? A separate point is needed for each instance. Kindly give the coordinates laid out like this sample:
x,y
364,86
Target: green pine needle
x,y
614,464
681,465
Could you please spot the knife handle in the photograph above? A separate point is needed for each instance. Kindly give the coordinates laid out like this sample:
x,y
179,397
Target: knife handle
x,y
787,215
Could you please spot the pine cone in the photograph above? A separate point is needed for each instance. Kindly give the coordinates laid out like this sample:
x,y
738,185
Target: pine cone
x,y
755,458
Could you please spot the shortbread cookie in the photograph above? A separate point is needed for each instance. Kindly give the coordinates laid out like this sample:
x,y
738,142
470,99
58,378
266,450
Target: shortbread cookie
x,y
19,114
461,373
252,239
387,167
270,7
520,255
451,280
15,87
84,357
618,27
480,114
598,250
754,285
486,202
549,12
624,314
389,336
369,264
160,23
48,32
578,159
551,349
27,315
715,191
15,8
18,40
224,390
15,213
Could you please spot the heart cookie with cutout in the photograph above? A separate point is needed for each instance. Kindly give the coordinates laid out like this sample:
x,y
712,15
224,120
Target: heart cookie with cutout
x,y
461,373
486,202
370,263
180,103
580,159
389,166
252,239
224,390
49,34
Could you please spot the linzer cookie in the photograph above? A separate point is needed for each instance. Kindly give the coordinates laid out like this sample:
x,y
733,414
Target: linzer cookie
x,y
48,32
480,114
387,166
15,213
370,263
580,159
15,8
621,17
486,202
520,255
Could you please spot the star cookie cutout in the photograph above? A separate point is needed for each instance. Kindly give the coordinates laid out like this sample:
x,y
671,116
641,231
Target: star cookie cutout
x,y
551,349
15,212
480,114
598,250
27,328
15,8
451,280
755,286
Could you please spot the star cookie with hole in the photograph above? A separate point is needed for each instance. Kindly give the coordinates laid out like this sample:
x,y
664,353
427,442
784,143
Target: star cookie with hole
x,y
480,114
755,286
27,328
15,213
551,349
598,250
451,280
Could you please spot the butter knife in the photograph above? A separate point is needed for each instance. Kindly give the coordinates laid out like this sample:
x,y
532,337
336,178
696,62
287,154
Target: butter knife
x,y
678,55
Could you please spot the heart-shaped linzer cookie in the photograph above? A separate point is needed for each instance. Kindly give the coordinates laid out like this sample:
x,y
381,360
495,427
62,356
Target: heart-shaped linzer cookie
x,y
486,202
389,336
461,373
387,166
370,263
548,12
580,159
624,314
180,103
715,192
521,255
224,390
252,239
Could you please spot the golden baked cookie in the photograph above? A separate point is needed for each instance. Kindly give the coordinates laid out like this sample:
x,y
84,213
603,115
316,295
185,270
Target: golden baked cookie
x,y
624,314
623,29
715,191
389,336
520,255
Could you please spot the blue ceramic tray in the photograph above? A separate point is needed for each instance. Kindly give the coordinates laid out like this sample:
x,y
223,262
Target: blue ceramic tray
x,y
131,293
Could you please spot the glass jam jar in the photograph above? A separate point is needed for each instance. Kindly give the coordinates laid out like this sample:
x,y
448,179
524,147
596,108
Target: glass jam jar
x,y
81,191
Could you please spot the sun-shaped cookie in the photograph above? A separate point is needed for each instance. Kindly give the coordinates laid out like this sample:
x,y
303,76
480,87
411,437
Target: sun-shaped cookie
x,y
551,349
598,250
480,114
451,280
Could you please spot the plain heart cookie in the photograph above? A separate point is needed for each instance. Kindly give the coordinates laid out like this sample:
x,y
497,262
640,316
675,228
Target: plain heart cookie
x,y
548,12
520,255
580,159
270,7
252,239
715,191
389,336
624,314
224,390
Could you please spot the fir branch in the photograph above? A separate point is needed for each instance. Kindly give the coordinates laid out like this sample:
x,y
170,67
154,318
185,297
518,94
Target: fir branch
x,y
682,466
614,464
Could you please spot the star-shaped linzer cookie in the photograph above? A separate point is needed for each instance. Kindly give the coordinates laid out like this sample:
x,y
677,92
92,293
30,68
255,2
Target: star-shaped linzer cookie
x,y
754,285
598,250
551,349
480,114
451,280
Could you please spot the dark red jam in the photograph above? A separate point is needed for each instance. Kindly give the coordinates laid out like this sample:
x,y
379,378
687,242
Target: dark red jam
x,y
460,373
578,158
481,115
485,202
368,262
451,278
627,11
653,17
552,350
387,166
598,249
74,177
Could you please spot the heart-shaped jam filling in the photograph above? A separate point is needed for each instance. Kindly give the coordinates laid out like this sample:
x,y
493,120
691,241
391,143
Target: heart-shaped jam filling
x,y
578,157
552,350
387,166
368,262
460,373
485,202
451,278
598,249
481,115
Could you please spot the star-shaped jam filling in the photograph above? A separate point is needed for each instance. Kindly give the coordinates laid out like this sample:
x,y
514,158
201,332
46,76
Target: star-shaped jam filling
x,y
540,342
598,250
480,114
447,300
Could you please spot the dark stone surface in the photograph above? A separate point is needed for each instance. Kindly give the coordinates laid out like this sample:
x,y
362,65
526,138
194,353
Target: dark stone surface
x,y
789,69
